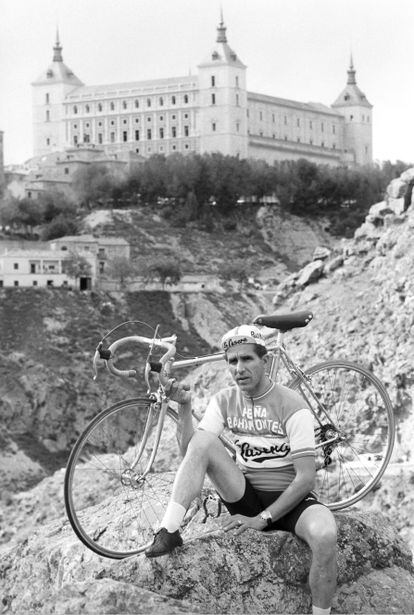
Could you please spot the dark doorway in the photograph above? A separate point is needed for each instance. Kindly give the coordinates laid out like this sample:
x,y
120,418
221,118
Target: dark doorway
x,y
85,283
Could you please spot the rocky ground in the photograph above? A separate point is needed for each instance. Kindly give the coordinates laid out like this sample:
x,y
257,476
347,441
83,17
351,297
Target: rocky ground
x,y
52,572
361,292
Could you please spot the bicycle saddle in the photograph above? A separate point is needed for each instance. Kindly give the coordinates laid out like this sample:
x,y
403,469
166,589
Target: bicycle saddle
x,y
284,322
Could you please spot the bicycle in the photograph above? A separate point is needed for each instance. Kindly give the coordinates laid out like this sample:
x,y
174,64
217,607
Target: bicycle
x,y
120,472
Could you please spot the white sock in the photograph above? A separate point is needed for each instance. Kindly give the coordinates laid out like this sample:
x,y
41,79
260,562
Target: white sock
x,y
316,610
173,517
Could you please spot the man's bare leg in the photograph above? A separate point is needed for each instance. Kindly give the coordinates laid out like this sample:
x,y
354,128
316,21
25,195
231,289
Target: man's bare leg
x,y
205,455
317,527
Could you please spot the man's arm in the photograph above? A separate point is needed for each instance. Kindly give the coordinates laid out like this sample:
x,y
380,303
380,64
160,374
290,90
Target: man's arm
x,y
301,485
185,428
180,393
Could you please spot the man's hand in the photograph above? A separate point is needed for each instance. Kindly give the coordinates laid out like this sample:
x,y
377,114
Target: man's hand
x,y
176,391
240,523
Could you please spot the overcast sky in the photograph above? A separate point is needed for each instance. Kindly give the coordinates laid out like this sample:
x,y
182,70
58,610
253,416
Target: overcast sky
x,y
296,49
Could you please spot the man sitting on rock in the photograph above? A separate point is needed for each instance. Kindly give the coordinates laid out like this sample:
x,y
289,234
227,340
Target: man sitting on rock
x,y
269,486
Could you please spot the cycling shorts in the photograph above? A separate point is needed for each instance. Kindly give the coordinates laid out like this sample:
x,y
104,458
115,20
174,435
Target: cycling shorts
x,y
254,502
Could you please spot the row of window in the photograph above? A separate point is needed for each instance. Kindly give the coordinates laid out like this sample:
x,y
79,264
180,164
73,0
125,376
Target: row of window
x,y
125,105
161,149
35,268
35,283
213,81
299,122
364,118
137,134
149,118
213,99
298,140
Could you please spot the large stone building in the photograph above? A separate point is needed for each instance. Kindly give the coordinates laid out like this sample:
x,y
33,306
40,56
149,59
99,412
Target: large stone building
x,y
207,112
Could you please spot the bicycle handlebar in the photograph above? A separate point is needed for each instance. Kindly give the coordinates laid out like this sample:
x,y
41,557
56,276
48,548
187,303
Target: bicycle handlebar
x,y
108,355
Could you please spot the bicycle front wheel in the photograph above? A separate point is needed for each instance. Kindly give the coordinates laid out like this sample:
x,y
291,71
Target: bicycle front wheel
x,y
354,428
112,507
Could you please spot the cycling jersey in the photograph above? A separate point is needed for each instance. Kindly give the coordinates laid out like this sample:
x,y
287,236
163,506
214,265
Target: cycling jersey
x,y
270,431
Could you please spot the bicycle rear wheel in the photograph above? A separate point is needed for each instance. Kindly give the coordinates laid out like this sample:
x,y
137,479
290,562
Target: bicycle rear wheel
x,y
111,507
354,428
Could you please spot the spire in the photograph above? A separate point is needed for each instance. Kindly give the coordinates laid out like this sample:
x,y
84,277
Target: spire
x,y
221,30
57,49
351,73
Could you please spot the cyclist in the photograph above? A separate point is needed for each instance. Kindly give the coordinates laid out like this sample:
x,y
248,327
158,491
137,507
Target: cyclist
x,y
269,487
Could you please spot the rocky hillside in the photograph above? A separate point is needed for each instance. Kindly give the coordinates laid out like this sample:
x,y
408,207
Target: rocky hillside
x,y
48,339
273,241
361,292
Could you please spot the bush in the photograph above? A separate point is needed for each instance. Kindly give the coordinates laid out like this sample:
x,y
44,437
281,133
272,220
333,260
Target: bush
x,y
59,227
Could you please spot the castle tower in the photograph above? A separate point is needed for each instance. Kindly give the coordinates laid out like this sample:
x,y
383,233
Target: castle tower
x,y
357,111
223,100
49,92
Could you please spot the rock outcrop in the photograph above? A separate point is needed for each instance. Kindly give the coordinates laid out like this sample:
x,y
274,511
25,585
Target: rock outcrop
x,y
52,572
381,223
290,236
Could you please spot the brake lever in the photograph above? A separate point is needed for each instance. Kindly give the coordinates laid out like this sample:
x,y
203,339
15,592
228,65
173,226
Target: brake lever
x,y
100,353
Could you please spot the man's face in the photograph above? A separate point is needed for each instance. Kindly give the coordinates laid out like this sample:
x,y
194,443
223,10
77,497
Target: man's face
x,y
247,369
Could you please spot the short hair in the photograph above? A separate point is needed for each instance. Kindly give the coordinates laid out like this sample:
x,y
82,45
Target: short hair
x,y
260,350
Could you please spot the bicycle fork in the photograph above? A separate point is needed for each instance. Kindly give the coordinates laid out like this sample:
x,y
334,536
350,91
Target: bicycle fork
x,y
130,477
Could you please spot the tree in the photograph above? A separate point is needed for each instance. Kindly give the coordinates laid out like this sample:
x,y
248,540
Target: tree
x,y
238,270
55,203
21,213
228,179
77,266
121,268
59,227
93,185
163,268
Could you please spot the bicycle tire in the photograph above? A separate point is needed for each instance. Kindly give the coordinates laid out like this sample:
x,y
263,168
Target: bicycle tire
x,y
359,412
113,517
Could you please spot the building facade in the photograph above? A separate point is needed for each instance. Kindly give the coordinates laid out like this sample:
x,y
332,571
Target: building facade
x,y
211,111
47,267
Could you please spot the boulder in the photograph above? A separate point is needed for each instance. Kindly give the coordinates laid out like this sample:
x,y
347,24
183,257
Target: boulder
x,y
214,572
321,253
310,273
396,188
333,264
368,230
408,176
397,206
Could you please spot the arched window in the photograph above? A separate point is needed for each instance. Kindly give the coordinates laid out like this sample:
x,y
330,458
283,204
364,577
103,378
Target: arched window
x,y
136,104
112,106
99,107
75,109
185,98
173,100
87,109
161,101
124,104
148,102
